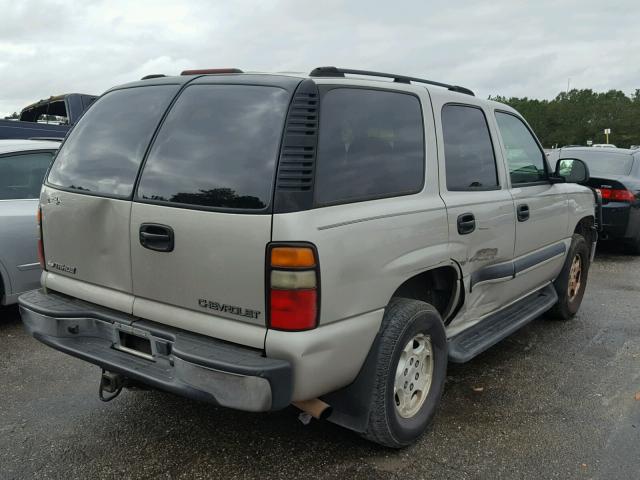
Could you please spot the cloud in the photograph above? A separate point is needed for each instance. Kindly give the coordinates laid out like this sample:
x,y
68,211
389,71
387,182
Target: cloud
x,y
506,47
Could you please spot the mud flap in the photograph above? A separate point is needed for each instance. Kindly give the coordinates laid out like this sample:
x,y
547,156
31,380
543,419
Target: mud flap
x,y
352,404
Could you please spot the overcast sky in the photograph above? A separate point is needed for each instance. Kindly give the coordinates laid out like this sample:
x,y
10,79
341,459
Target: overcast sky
x,y
506,47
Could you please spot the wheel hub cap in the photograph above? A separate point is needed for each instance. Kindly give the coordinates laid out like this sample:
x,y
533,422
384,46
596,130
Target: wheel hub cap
x,y
413,375
575,277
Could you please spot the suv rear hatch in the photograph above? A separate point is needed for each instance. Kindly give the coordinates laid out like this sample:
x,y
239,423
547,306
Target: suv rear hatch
x,y
168,208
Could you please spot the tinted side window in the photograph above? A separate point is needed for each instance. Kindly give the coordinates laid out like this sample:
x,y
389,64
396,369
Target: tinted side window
x,y
526,160
103,152
21,175
371,145
468,151
217,147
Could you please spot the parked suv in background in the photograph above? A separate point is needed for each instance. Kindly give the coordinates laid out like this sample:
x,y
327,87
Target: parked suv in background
x,y
258,240
23,164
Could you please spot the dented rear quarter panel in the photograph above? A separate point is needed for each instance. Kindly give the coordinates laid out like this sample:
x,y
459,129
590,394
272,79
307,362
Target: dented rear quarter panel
x,y
366,251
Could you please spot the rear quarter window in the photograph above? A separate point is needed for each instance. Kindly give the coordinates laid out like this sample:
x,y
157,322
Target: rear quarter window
x,y
103,152
371,145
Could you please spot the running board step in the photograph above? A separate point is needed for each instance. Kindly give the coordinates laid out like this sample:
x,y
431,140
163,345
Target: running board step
x,y
475,340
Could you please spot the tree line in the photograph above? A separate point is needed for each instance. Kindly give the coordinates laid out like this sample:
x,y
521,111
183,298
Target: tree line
x,y
576,116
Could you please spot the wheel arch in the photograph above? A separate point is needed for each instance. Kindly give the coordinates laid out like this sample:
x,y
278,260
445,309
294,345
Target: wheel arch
x,y
439,286
351,406
586,227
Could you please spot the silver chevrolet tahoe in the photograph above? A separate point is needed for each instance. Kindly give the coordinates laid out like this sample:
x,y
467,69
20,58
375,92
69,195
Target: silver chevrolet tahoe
x,y
329,240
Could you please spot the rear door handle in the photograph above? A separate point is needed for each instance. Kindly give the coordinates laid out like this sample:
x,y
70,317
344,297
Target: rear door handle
x,y
466,223
523,212
159,238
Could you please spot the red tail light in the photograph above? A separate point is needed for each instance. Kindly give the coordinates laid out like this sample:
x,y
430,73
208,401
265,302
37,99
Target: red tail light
x,y
293,309
617,195
293,283
40,244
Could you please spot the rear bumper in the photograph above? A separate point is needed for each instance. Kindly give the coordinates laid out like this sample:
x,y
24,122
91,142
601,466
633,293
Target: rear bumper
x,y
615,220
180,362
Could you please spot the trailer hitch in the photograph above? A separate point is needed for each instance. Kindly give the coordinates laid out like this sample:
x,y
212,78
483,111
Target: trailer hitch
x,y
110,383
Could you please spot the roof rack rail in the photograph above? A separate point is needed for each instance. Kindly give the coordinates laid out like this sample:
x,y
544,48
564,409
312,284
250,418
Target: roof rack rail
x,y
153,75
339,72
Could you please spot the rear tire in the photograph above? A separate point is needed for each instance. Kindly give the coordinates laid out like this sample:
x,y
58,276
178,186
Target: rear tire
x,y
410,373
572,280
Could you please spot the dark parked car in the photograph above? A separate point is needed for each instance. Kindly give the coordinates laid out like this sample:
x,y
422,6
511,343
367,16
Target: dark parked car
x,y
616,172
49,118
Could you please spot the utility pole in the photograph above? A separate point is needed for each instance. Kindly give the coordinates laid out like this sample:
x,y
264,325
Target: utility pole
x,y
568,84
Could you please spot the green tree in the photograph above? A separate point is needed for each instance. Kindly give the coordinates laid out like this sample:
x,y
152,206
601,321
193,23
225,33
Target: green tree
x,y
574,117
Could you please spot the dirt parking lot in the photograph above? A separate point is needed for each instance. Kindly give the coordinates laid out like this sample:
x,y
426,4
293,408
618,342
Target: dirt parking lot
x,y
555,400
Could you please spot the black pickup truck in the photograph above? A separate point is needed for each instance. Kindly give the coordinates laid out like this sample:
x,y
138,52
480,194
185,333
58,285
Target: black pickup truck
x,y
49,118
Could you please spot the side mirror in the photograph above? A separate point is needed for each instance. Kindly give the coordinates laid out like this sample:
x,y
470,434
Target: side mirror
x,y
572,170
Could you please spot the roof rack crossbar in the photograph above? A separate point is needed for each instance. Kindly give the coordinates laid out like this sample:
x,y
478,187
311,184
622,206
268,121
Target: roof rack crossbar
x,y
339,72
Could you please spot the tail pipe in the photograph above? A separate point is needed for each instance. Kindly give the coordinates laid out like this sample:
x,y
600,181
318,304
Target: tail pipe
x,y
315,407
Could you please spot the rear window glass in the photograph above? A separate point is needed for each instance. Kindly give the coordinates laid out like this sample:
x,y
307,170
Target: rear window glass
x,y
21,175
217,148
605,164
371,145
54,113
103,152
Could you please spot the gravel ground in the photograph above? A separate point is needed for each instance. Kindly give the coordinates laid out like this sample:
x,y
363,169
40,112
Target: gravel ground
x,y
558,400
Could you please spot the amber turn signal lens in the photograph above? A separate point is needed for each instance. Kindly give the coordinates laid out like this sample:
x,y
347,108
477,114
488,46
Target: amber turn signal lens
x,y
292,257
